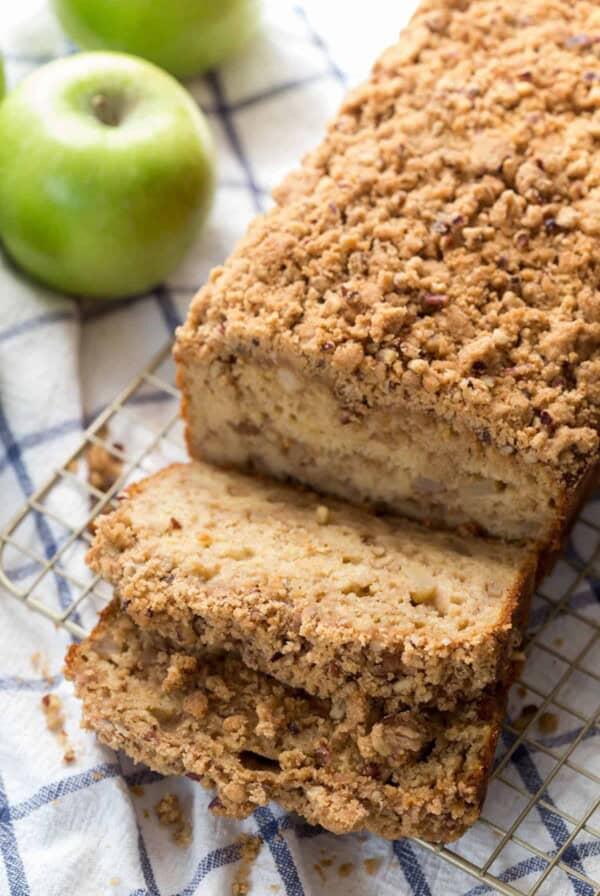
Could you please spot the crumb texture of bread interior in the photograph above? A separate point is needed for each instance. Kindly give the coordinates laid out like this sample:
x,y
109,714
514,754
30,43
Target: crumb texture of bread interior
x,y
317,593
347,764
271,420
416,322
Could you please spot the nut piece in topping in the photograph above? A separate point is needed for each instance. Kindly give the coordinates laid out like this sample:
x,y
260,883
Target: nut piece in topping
x,y
392,737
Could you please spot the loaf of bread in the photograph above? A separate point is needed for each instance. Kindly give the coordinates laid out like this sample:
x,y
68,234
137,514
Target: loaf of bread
x,y
319,595
347,764
416,321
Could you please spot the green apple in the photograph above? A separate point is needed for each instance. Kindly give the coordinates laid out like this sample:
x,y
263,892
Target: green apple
x,y
106,174
185,37
2,81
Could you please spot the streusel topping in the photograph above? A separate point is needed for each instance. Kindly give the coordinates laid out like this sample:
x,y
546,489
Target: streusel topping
x,y
442,244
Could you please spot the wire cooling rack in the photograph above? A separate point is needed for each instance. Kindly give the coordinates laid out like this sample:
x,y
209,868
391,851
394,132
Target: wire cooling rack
x,y
539,832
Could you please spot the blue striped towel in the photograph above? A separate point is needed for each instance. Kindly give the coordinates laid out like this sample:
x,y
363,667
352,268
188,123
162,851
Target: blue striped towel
x,y
78,827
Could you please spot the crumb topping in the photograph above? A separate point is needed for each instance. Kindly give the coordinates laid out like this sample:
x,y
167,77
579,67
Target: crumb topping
x,y
249,847
372,865
442,244
52,708
171,815
260,740
104,468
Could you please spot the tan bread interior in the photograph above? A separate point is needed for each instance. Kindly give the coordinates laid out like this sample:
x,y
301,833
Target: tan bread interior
x,y
272,419
338,567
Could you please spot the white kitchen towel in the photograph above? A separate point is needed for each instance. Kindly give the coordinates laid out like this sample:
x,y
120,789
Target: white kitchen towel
x,y
88,827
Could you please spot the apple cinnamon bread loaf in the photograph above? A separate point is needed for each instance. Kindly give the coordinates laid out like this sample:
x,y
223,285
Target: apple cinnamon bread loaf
x,y
317,594
416,321
347,764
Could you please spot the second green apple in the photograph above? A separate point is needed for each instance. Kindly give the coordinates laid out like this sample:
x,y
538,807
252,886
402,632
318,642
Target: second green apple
x,y
185,37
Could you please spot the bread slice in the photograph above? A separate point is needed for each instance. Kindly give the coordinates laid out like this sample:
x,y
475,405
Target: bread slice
x,y
317,594
345,764
415,322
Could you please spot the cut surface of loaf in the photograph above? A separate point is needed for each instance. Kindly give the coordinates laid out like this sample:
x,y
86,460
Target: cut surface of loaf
x,y
347,764
415,322
317,594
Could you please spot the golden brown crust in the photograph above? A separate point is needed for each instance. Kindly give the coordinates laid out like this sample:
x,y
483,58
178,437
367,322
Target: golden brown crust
x,y
214,558
568,509
345,763
440,248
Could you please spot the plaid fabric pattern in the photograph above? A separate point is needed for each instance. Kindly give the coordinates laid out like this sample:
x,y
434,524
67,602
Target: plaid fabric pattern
x,y
79,828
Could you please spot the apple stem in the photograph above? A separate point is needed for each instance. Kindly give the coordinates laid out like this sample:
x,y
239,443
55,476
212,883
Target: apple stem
x,y
106,109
